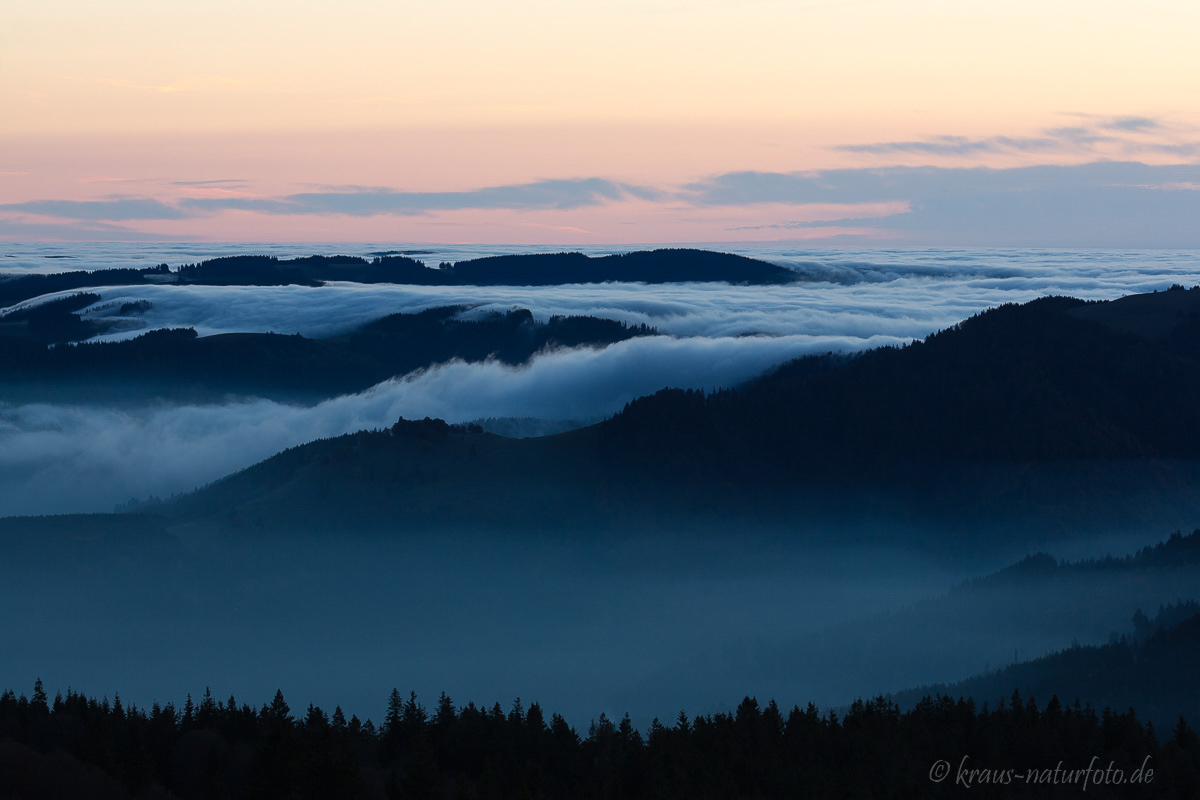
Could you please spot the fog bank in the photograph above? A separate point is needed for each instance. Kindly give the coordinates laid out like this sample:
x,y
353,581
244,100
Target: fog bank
x,y
56,459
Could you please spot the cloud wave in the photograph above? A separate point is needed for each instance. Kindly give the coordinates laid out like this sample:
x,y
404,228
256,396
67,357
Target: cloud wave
x,y
57,459
1124,133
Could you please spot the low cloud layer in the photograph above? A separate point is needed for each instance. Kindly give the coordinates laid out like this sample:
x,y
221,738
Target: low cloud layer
x,y
854,294
56,459
706,310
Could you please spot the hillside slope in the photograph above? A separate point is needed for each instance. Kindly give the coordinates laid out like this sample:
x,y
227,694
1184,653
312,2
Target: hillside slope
x,y
179,365
1022,410
1155,677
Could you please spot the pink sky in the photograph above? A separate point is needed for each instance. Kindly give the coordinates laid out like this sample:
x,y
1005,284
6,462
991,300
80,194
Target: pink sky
x,y
170,104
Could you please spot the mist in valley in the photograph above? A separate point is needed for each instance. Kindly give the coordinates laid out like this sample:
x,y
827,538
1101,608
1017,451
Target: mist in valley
x,y
641,622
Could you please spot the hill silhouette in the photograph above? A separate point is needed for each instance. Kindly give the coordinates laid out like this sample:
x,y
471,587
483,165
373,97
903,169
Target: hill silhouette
x,y
177,364
1050,380
26,331
17,288
1153,676
539,269
668,265
653,266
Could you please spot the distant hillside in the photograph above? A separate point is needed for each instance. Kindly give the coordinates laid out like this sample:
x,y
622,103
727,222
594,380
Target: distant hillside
x,y
416,473
15,288
539,269
1020,410
1155,677
178,365
1033,607
26,331
250,270
654,266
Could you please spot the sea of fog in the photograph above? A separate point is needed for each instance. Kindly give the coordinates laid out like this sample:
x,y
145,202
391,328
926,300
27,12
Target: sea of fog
x,y
89,457
847,292
691,621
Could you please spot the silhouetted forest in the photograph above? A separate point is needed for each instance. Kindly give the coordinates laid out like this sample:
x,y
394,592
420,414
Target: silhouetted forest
x,y
652,266
26,332
306,271
18,287
1154,674
176,363
1050,380
1168,616
79,747
537,269
1176,552
528,427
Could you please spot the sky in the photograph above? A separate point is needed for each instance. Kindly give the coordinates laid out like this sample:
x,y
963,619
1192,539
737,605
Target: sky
x,y
929,122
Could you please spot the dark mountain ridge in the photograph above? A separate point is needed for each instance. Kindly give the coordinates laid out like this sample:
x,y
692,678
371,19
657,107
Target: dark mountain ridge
x,y
680,265
16,288
1039,382
176,364
668,265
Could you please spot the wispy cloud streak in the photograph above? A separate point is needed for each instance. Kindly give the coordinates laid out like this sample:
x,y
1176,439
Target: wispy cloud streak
x,y
1123,135
550,194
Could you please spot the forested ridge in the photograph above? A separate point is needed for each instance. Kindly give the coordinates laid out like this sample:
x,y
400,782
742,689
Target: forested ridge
x,y
82,747
1178,551
1152,671
176,363
15,288
666,265
1046,380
